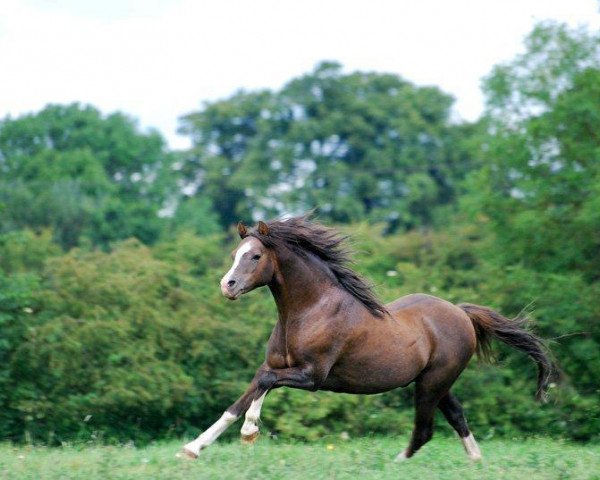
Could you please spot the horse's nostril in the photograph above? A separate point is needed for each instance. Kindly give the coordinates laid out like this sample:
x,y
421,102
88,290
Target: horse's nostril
x,y
231,283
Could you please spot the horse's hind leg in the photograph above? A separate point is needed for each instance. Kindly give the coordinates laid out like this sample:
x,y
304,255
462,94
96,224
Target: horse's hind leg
x,y
428,393
453,411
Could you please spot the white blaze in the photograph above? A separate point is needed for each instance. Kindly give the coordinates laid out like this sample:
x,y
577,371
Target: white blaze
x,y
238,257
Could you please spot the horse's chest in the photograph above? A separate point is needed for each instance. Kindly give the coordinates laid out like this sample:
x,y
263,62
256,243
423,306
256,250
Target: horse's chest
x,y
281,358
285,348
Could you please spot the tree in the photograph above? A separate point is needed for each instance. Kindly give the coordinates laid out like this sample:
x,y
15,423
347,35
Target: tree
x,y
82,174
539,188
542,154
223,134
360,145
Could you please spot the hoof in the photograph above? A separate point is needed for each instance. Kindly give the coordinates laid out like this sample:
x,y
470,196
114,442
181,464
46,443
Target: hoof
x,y
250,439
402,456
185,454
475,458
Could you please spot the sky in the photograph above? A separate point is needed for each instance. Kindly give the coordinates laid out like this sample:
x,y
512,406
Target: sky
x,y
157,60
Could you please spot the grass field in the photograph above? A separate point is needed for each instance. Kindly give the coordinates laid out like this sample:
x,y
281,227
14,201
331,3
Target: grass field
x,y
367,458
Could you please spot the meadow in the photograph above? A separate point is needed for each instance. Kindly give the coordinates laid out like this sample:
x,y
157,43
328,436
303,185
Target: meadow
x,y
332,458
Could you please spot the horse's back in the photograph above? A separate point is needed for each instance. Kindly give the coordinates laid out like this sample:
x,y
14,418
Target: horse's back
x,y
425,305
415,300
447,325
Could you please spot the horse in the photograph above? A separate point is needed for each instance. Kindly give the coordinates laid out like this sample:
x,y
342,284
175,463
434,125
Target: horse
x,y
333,334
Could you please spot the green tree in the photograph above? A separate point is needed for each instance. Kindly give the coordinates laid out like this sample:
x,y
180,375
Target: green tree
x,y
541,178
537,193
359,145
223,133
83,174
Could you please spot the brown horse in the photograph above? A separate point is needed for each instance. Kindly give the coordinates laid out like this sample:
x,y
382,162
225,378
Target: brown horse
x,y
333,334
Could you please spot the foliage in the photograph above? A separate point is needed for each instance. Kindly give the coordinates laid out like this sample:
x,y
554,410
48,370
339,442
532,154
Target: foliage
x,y
138,342
530,83
542,169
17,302
195,215
83,174
383,148
24,251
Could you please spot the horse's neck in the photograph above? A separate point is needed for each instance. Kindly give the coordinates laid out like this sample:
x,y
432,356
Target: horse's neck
x,y
298,284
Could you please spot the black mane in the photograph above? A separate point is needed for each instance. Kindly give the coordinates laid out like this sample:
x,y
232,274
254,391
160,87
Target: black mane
x,y
301,235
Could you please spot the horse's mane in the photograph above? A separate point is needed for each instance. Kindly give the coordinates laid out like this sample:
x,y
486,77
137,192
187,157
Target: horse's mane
x,y
301,235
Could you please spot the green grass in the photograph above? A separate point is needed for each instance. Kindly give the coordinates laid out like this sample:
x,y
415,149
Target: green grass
x,y
366,458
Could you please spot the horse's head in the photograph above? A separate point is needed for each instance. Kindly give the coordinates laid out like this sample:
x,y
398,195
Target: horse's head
x,y
253,264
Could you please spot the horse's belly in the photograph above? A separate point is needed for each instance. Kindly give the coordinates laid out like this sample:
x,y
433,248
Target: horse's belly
x,y
376,374
342,385
382,357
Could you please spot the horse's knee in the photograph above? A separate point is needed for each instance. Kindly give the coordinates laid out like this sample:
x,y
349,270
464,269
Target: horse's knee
x,y
266,380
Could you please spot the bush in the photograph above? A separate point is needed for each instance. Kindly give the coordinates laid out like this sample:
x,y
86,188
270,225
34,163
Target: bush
x,y
138,343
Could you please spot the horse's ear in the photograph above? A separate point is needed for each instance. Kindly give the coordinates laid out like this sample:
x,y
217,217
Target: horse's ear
x,y
242,230
263,229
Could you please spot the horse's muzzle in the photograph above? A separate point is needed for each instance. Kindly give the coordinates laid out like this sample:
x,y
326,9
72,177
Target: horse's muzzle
x,y
231,292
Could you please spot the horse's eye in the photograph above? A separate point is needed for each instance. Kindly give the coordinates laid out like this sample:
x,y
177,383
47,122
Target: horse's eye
x,y
256,257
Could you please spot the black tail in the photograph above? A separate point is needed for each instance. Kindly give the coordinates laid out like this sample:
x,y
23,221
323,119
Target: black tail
x,y
489,323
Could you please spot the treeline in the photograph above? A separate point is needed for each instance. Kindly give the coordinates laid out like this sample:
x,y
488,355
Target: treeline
x,y
112,325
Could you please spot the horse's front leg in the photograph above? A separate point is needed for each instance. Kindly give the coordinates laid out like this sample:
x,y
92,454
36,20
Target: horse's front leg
x,y
268,379
249,402
249,430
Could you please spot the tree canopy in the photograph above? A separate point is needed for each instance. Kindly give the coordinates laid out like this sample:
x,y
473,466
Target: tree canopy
x,y
82,174
355,146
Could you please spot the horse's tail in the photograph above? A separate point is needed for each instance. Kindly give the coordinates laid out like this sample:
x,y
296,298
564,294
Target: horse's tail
x,y
514,333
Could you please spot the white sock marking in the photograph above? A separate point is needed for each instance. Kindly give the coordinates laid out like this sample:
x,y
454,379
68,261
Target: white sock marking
x,y
471,447
250,426
211,434
401,457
